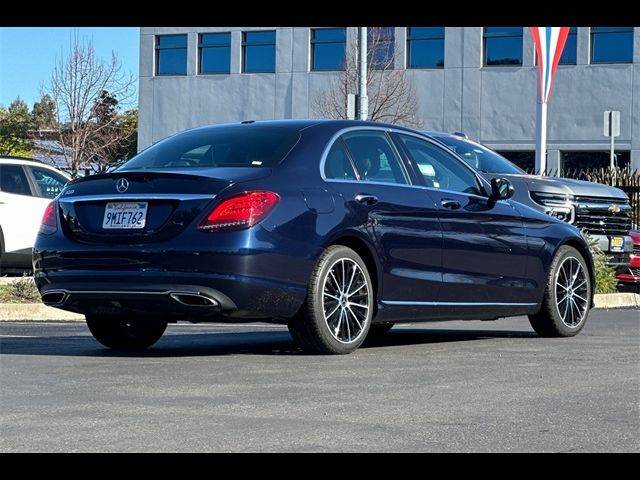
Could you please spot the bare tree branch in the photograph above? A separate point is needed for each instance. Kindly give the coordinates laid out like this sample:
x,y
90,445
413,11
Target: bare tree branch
x,y
392,96
77,86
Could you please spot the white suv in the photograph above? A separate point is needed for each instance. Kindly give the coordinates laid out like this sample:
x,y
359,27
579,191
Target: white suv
x,y
26,188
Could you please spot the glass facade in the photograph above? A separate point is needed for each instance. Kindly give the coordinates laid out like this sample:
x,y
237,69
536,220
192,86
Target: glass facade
x,y
380,44
171,55
425,47
502,46
328,48
259,52
215,53
611,44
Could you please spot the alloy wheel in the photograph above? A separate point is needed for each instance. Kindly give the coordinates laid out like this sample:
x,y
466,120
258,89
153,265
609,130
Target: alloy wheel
x,y
345,300
571,292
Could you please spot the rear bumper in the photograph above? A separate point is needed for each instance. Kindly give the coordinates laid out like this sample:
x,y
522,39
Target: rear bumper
x,y
191,301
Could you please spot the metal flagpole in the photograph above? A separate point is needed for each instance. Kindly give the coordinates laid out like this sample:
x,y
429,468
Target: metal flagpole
x,y
541,138
363,100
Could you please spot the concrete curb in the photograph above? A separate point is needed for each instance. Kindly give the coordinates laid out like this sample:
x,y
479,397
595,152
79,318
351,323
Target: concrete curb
x,y
25,312
617,300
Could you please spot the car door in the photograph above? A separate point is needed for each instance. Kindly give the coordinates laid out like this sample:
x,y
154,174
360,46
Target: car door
x,y
20,210
364,169
484,241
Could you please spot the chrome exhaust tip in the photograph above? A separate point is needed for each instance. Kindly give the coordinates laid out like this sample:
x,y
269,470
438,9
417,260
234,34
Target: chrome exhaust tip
x,y
191,299
54,298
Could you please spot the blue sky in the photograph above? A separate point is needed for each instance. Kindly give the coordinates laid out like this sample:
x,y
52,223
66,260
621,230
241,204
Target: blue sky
x,y
27,55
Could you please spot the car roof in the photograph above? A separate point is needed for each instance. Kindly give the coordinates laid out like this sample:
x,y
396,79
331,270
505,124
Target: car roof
x,y
302,124
12,160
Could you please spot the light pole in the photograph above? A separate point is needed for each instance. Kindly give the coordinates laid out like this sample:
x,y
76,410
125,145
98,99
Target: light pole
x,y
364,101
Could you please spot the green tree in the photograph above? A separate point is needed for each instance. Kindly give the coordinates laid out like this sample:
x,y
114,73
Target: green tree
x,y
44,113
15,123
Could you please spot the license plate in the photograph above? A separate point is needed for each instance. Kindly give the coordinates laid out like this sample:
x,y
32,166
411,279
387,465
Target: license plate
x,y
125,215
616,244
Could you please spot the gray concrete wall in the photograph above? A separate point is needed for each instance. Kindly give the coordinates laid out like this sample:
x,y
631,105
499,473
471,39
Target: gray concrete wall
x,y
495,105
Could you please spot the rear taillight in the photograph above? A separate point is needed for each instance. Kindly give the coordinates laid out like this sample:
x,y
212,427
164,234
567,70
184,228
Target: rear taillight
x,y
49,224
239,212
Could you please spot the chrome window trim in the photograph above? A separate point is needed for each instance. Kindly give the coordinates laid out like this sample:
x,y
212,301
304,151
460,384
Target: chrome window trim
x,y
392,144
428,139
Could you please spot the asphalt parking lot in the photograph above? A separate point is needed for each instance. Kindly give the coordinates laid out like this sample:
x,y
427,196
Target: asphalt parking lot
x,y
455,386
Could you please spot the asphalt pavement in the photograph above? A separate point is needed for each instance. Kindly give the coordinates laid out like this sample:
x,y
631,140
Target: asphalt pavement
x,y
451,386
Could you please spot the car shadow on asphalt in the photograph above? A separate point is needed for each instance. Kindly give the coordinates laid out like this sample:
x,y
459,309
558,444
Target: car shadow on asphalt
x,y
235,343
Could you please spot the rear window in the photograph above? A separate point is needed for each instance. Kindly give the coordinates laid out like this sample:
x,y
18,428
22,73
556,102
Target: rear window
x,y
256,147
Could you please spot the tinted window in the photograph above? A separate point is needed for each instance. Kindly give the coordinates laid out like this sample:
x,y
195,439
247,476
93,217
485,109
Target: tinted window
x,y
171,55
259,51
380,44
502,46
374,157
14,180
425,46
479,157
215,52
327,48
338,166
611,44
255,147
50,184
439,168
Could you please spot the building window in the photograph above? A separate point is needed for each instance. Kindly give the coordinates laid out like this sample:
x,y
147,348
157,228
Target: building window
x,y
502,46
569,51
611,44
328,48
526,160
380,45
259,52
425,47
587,160
171,55
215,53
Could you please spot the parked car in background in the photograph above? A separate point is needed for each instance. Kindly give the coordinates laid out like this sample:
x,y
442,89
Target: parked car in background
x,y
26,188
334,228
602,211
631,278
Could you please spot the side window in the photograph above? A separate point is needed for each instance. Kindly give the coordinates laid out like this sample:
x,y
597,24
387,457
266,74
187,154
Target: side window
x,y
337,165
439,168
14,180
49,183
374,157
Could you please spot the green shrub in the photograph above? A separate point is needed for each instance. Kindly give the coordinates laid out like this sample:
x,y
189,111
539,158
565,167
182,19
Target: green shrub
x,y
606,281
22,290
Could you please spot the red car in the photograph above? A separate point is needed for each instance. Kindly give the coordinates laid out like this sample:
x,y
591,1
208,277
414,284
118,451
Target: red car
x,y
632,277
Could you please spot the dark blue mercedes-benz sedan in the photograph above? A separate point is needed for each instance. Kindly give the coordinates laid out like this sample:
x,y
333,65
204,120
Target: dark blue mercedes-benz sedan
x,y
336,228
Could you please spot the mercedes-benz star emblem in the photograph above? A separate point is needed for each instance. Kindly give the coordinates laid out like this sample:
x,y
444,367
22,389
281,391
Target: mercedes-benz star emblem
x,y
122,185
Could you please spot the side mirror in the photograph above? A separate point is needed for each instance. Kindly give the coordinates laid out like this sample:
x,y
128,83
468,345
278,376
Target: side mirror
x,y
501,189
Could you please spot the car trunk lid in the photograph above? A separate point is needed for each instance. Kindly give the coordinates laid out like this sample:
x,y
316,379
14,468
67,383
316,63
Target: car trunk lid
x,y
143,206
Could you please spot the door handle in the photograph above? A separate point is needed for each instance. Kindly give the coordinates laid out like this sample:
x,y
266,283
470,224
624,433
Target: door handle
x,y
366,199
450,204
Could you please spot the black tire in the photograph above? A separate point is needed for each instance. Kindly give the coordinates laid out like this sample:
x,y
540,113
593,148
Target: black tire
x,y
309,328
125,334
554,319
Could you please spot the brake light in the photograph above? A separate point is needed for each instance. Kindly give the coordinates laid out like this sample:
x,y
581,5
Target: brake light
x,y
49,224
239,212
